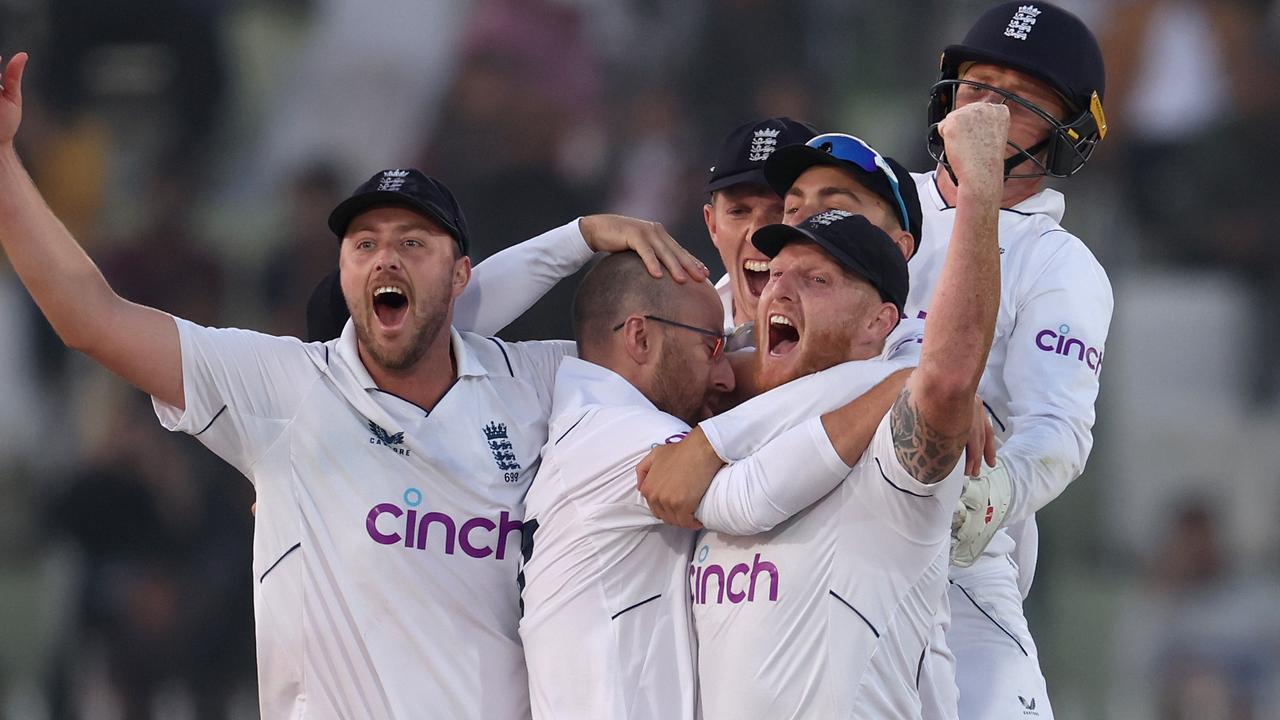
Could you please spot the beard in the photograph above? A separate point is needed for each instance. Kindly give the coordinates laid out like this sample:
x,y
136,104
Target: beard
x,y
674,391
821,348
426,320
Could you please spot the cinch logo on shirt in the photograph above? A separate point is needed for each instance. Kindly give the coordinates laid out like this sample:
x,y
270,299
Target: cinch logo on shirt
x,y
1059,343
478,537
737,585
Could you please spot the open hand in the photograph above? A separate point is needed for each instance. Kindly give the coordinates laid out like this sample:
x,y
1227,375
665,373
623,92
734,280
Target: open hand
x,y
649,240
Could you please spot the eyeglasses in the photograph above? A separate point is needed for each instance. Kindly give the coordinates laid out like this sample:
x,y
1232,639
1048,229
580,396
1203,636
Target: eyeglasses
x,y
719,337
854,150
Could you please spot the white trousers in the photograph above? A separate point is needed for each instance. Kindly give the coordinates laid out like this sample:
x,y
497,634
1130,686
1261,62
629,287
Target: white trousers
x,y
982,663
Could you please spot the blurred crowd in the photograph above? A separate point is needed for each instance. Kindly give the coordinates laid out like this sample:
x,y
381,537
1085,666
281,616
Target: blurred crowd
x,y
195,148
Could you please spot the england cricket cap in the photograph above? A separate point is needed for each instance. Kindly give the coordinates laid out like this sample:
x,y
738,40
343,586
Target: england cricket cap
x,y
742,155
407,188
854,242
884,176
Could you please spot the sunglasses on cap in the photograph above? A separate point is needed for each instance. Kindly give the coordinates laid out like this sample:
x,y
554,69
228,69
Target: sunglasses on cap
x,y
854,150
719,337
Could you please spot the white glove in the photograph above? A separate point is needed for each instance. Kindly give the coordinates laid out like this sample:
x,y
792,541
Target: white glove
x,y
980,512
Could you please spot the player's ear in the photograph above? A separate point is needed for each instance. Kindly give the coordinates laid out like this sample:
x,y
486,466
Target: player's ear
x,y
885,320
905,242
709,217
638,342
461,274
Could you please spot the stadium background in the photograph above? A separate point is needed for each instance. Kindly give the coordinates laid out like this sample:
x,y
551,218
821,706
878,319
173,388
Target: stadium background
x,y
195,148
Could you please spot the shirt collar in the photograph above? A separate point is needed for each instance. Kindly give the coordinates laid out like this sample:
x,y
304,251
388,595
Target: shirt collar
x,y
1048,202
580,383
726,300
468,364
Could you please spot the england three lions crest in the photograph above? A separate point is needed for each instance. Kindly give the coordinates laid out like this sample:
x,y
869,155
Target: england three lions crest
x,y
503,453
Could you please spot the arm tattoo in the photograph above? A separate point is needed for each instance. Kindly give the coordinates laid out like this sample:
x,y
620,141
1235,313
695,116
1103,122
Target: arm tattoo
x,y
926,453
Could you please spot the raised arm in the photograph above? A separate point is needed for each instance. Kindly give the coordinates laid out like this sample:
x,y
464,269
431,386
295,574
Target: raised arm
x,y
137,343
931,418
508,283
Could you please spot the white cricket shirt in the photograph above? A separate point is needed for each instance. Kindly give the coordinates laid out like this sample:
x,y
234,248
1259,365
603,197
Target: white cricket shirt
x,y
1042,373
606,624
828,614
386,539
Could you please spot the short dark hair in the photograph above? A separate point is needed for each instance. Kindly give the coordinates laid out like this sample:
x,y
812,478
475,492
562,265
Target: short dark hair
x,y
616,286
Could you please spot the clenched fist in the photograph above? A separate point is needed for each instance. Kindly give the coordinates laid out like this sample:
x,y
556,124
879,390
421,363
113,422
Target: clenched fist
x,y
976,138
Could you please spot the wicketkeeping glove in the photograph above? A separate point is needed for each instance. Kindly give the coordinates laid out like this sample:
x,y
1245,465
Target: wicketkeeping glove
x,y
980,512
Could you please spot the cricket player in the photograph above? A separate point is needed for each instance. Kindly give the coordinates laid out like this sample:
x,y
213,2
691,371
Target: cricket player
x,y
606,610
840,607
739,202
1041,379
829,171
390,464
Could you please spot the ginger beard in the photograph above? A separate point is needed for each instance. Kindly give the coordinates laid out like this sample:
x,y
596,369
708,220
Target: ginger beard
x,y
804,329
786,352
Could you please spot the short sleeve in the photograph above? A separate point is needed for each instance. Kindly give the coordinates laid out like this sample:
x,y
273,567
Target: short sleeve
x,y
536,362
919,512
240,389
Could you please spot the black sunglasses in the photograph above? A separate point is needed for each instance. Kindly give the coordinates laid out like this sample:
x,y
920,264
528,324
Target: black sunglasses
x,y
718,336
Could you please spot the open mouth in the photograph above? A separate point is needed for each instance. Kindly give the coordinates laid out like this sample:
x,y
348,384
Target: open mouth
x,y
391,305
756,273
783,335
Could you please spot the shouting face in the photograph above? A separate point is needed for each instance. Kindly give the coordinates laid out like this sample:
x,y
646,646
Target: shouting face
x,y
814,314
732,217
400,274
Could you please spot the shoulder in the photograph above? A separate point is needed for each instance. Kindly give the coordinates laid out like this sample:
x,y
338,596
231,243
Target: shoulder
x,y
520,360
282,348
494,355
622,427
1042,250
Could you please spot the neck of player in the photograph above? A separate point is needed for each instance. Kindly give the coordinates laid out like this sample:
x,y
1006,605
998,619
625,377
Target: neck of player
x,y
424,383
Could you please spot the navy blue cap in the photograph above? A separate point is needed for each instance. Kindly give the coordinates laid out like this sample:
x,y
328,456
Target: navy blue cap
x,y
854,241
742,155
411,189
790,162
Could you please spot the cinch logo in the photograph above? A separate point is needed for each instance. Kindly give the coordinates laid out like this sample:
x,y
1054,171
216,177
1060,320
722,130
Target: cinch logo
x,y
475,535
386,439
737,585
1058,343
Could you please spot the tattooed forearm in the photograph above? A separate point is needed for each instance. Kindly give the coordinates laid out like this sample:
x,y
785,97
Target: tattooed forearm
x,y
926,453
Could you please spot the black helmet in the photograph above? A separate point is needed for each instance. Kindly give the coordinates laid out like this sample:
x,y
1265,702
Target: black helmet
x,y
1049,44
